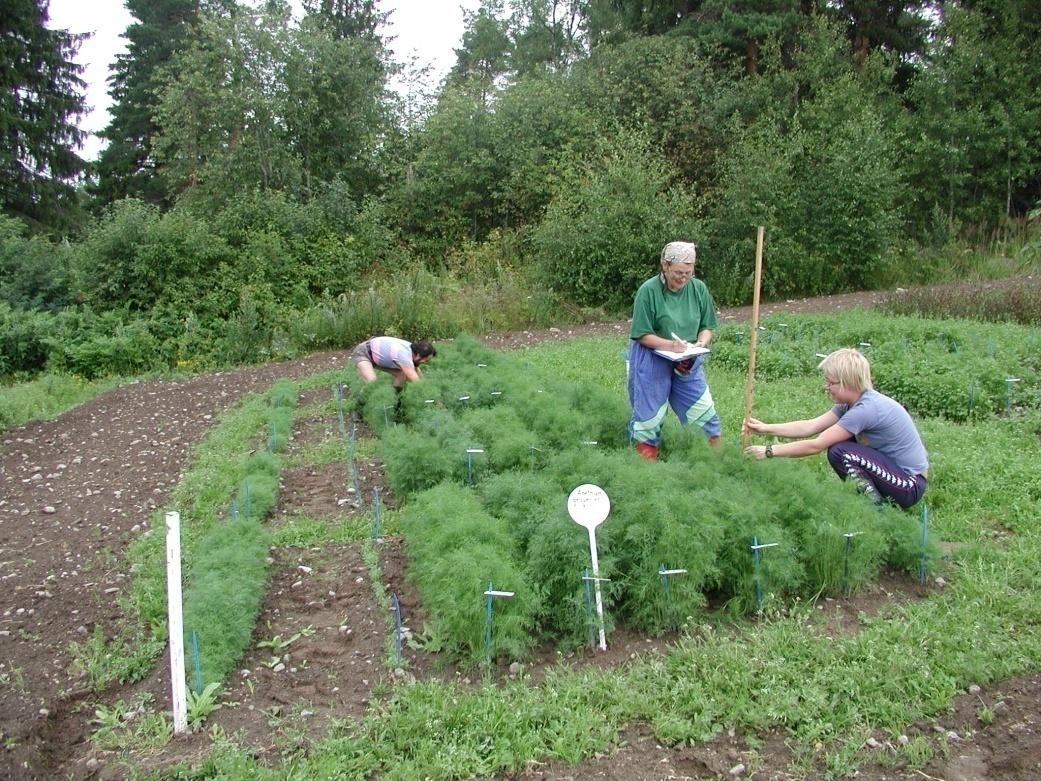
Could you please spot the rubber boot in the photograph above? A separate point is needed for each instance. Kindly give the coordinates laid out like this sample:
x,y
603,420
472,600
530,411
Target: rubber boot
x,y
647,450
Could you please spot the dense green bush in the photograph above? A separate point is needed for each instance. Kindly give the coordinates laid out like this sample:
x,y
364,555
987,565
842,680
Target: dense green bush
x,y
224,593
33,271
23,340
97,344
603,233
456,551
135,255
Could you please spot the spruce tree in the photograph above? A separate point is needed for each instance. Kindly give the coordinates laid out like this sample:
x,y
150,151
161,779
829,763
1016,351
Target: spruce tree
x,y
126,167
41,97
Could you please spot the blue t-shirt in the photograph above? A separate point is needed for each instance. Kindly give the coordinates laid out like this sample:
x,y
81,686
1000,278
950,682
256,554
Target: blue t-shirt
x,y
879,422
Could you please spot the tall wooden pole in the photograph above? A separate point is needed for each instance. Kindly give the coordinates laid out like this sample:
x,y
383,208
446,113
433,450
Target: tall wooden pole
x,y
753,341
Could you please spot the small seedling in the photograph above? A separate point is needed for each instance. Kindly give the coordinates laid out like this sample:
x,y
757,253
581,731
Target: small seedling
x,y
985,715
200,706
277,643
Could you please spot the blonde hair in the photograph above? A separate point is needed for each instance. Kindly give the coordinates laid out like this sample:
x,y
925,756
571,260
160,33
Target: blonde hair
x,y
849,367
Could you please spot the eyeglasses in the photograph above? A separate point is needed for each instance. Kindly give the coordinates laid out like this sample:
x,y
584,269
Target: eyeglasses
x,y
686,271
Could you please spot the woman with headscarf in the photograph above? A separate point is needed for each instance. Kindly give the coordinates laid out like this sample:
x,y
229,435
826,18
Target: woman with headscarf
x,y
672,312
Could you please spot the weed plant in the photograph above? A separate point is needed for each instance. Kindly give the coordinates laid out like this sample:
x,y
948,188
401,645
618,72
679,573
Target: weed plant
x,y
127,657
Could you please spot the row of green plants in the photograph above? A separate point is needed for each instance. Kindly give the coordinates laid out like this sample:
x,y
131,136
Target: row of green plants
x,y
957,369
489,454
223,502
228,571
827,691
1019,303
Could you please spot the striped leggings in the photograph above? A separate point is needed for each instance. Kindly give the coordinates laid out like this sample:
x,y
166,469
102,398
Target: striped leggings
x,y
876,472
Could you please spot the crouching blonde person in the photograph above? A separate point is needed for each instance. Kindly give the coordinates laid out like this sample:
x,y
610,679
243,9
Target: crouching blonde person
x,y
869,437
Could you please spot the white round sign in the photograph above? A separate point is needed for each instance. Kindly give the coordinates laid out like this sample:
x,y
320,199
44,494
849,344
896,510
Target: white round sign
x,y
588,505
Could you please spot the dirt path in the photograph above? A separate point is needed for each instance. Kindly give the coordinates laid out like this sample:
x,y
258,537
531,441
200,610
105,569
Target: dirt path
x,y
75,491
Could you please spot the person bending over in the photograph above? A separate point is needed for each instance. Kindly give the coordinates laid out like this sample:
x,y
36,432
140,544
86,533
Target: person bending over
x,y
869,437
397,357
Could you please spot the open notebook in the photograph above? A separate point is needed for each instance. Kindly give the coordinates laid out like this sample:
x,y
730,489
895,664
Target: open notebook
x,y
690,352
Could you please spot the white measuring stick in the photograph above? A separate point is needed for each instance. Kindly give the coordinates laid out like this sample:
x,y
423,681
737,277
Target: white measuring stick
x,y
503,594
672,572
175,622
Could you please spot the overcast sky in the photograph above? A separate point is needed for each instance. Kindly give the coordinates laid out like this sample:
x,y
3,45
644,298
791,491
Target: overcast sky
x,y
430,28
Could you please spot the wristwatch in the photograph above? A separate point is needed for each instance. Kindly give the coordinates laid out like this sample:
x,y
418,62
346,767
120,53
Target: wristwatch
x,y
770,450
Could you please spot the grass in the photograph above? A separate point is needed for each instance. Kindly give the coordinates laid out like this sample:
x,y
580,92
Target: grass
x,y
48,396
1020,304
785,671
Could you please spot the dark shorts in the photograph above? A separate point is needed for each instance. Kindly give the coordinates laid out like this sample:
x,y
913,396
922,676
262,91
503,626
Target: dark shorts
x,y
361,353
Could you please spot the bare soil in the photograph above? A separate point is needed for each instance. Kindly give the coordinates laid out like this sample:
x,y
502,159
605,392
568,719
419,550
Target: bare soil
x,y
77,490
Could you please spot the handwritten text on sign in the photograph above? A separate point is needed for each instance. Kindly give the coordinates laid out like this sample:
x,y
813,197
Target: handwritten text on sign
x,y
588,505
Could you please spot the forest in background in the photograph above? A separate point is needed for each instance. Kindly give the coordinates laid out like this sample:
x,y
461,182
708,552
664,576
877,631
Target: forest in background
x,y
264,192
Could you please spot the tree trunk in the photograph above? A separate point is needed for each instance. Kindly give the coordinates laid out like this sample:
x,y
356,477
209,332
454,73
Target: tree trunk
x,y
751,58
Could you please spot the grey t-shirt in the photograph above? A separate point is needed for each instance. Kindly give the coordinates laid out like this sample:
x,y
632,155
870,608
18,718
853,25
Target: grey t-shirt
x,y
879,422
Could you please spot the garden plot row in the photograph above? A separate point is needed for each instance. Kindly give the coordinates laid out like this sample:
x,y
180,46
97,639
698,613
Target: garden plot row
x,y
487,457
954,369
